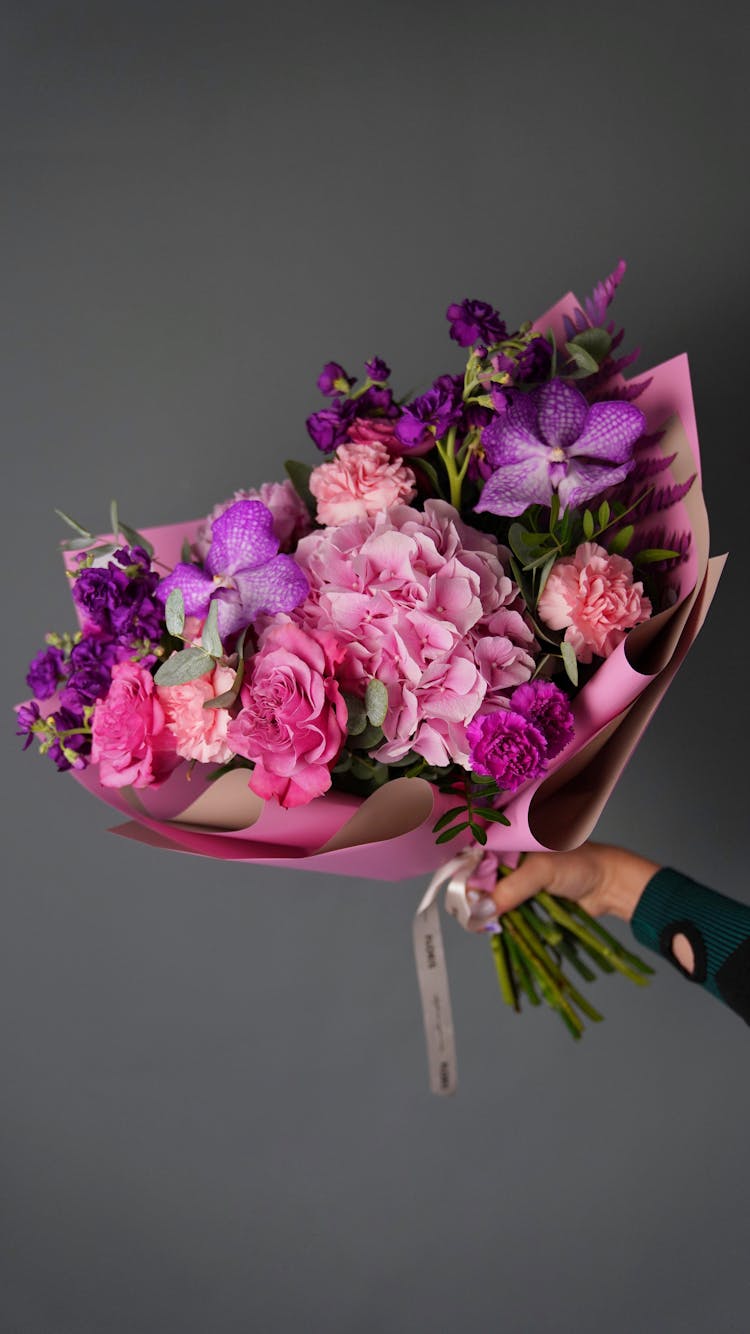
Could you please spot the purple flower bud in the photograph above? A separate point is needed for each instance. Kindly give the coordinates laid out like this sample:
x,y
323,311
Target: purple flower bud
x,y
327,428
440,408
334,380
26,716
472,321
45,672
377,370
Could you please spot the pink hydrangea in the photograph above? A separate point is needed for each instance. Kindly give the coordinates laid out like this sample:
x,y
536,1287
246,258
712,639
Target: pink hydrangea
x,y
423,603
293,720
592,596
290,516
200,734
131,742
360,479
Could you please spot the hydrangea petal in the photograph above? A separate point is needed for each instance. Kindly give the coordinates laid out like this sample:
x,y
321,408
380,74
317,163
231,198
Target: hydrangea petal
x,y
610,432
242,538
196,588
584,481
561,413
511,490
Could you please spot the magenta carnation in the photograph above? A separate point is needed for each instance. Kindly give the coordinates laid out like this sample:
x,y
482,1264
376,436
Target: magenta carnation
x,y
548,708
293,720
424,604
508,747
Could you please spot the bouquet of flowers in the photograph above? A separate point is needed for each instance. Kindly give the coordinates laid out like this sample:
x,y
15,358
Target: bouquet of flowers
x,y
449,629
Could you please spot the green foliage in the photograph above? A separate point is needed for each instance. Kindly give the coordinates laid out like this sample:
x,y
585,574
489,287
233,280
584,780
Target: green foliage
x,y
186,665
299,476
376,702
174,611
210,640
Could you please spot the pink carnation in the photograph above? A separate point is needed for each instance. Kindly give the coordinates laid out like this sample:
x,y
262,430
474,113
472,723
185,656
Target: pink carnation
x,y
423,603
200,734
591,595
290,517
130,742
360,479
293,719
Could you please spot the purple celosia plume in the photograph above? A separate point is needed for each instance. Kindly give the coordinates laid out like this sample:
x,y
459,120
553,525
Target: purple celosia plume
x,y
243,571
550,440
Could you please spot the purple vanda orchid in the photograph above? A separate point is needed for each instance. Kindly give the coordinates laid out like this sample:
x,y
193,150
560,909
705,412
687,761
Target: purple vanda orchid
x,y
243,572
552,441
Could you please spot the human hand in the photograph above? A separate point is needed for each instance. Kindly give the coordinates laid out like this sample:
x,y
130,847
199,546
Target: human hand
x,y
602,878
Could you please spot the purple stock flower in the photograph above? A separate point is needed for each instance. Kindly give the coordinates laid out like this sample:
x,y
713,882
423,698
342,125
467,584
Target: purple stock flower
x,y
548,708
472,321
90,669
333,380
377,370
506,746
327,428
26,716
119,598
45,672
243,572
549,440
434,412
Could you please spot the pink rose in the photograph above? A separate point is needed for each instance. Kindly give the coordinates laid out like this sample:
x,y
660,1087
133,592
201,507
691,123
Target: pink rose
x,y
293,719
290,517
360,480
200,734
592,596
130,742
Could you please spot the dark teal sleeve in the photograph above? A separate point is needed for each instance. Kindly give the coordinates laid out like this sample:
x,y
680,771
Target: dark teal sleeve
x,y
718,929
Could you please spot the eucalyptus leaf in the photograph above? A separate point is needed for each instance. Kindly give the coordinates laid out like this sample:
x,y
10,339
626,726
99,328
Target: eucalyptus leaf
x,y
72,523
229,697
622,539
78,543
372,736
357,720
376,702
174,611
136,539
210,640
114,519
584,361
570,662
187,665
596,342
344,763
186,554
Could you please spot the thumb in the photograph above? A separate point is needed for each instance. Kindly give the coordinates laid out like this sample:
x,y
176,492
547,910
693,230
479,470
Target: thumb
x,y
532,875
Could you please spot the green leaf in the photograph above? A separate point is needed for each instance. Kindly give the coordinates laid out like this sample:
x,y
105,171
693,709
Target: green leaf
x,y
497,817
136,539
299,476
554,513
80,543
651,554
448,834
479,833
586,364
229,697
114,519
603,515
430,473
77,527
446,819
376,702
518,542
343,764
371,737
622,539
550,336
545,574
588,525
570,662
357,720
186,554
187,665
596,342
210,640
175,612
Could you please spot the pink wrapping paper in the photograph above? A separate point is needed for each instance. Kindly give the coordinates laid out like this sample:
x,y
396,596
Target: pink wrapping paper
x,y
388,836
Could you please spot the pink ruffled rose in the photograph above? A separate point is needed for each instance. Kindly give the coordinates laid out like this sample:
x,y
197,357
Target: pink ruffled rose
x,y
360,480
592,596
293,720
291,520
200,734
131,742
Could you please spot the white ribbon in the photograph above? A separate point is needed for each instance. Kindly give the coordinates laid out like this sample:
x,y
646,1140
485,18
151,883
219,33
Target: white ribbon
x,y
474,911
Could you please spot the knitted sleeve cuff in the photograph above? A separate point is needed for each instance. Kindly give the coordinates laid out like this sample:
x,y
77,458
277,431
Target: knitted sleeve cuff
x,y
718,929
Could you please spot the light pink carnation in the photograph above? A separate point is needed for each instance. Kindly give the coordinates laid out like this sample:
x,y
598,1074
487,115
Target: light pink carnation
x,y
293,719
592,596
361,479
130,741
200,734
423,603
290,517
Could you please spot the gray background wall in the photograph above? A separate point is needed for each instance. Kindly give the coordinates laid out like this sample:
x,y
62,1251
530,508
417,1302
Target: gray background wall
x,y
214,1114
